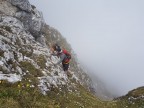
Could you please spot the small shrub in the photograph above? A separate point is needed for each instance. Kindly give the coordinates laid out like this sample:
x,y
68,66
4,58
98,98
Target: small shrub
x,y
32,70
41,61
7,28
1,53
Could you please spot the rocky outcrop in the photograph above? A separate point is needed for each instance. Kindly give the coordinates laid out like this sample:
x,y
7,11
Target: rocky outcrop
x,y
24,5
7,8
31,18
33,22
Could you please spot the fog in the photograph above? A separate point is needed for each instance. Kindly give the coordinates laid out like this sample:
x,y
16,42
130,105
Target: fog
x,y
107,36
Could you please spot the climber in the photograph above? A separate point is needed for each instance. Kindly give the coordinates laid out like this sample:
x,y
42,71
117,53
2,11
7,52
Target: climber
x,y
64,56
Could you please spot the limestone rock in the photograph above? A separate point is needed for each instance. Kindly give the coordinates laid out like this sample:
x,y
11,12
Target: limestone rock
x,y
7,8
33,22
22,4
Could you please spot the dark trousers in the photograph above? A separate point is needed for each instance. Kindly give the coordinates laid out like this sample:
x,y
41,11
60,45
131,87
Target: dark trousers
x,y
65,66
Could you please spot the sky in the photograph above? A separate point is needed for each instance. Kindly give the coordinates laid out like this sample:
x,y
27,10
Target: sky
x,y
107,36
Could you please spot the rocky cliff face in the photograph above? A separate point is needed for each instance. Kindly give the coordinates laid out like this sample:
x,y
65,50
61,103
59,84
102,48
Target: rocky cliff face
x,y
24,48
30,17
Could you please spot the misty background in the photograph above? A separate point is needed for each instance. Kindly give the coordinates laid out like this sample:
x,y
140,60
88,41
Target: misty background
x,y
107,36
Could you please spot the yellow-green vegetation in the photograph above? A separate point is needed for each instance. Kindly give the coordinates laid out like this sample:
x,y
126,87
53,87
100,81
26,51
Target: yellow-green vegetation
x,y
134,99
32,73
26,50
21,95
41,61
32,70
136,92
26,97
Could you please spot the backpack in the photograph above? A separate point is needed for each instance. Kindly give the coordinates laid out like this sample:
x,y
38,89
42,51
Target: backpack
x,y
68,56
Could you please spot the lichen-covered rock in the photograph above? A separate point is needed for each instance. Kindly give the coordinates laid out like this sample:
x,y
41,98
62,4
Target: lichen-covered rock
x,y
22,4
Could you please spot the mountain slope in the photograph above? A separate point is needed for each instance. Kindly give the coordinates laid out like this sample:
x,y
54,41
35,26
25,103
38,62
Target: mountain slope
x,y
28,78
134,99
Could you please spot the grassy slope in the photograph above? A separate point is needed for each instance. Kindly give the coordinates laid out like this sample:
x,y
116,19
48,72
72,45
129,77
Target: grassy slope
x,y
20,95
15,96
134,99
